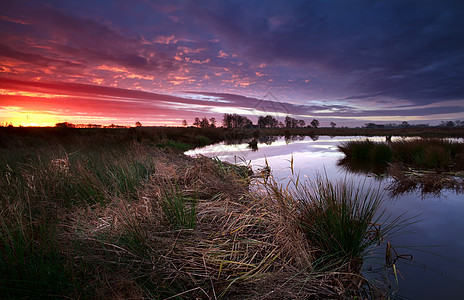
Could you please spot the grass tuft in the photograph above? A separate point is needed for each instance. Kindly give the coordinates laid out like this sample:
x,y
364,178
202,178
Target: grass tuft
x,y
339,222
338,219
179,209
31,264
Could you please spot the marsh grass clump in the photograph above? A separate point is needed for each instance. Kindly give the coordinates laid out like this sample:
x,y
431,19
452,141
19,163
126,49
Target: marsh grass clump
x,y
338,219
356,150
366,150
329,227
381,153
437,154
430,164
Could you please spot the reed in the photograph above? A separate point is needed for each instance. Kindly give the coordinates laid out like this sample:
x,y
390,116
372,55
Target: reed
x,y
366,150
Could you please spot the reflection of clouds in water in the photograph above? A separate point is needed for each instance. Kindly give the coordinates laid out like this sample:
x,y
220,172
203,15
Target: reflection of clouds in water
x,y
269,148
309,155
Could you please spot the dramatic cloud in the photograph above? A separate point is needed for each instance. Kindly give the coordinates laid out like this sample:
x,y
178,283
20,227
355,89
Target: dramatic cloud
x,y
354,61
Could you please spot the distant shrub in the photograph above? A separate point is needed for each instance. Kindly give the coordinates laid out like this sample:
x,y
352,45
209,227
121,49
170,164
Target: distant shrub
x,y
173,144
202,140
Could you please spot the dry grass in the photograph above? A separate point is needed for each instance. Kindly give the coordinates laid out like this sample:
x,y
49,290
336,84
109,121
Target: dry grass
x,y
428,182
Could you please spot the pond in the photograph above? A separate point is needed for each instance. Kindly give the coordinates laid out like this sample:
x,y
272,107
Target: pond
x,y
435,239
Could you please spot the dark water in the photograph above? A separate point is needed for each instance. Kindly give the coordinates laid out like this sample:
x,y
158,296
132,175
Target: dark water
x,y
436,241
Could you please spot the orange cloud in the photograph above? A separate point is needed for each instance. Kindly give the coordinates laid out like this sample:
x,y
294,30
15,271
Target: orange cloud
x,y
165,40
222,54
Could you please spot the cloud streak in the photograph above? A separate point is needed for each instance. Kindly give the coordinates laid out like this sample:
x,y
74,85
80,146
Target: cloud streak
x,y
154,108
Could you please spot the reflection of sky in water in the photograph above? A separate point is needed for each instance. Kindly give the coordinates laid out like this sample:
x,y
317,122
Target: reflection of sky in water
x,y
441,226
308,156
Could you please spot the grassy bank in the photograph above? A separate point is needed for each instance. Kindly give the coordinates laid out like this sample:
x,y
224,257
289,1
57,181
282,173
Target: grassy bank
x,y
123,214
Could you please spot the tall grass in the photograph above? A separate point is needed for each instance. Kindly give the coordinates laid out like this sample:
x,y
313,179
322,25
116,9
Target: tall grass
x,y
179,209
339,218
31,263
94,176
341,222
39,188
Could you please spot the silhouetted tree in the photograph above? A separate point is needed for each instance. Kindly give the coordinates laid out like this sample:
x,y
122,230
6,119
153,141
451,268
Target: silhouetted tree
x,y
290,122
138,124
212,122
450,124
184,123
315,123
196,122
332,124
267,121
294,123
65,125
204,123
236,121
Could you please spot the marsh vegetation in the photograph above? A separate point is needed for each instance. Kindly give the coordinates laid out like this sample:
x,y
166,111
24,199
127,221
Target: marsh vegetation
x,y
428,164
97,214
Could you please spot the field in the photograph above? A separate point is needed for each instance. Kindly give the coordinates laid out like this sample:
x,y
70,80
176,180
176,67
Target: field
x,y
123,213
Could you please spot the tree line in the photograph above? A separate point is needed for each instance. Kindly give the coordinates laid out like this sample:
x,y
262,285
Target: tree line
x,y
238,121
405,124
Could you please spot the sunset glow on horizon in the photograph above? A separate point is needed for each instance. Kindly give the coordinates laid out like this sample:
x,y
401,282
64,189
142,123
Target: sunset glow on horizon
x,y
158,63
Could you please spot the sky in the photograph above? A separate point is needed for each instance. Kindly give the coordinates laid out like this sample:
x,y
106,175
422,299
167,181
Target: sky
x,y
159,62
